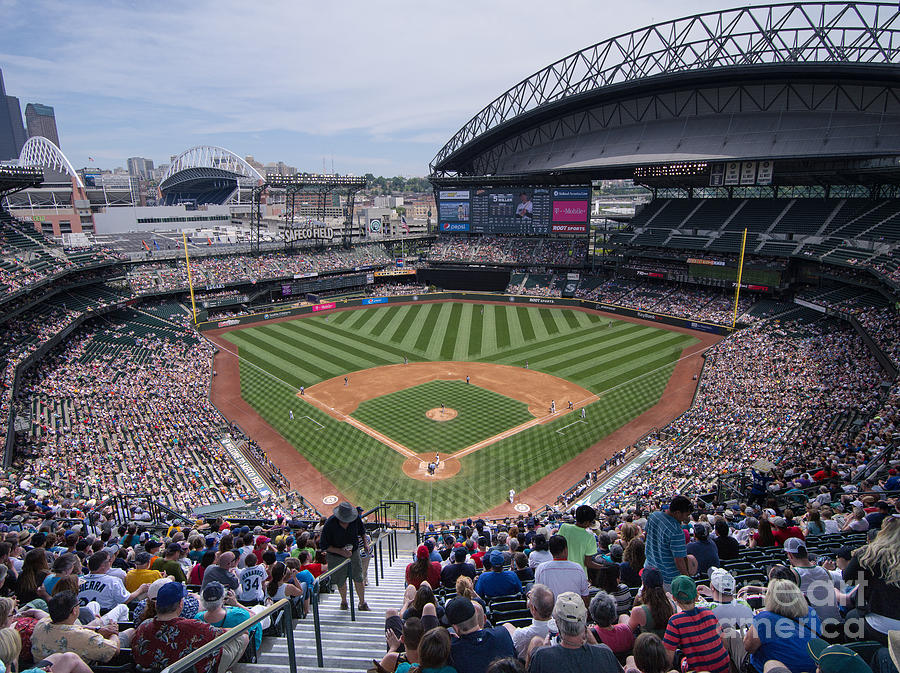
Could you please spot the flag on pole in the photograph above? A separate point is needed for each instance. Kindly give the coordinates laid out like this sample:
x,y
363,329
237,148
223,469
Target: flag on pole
x,y
403,223
156,244
145,245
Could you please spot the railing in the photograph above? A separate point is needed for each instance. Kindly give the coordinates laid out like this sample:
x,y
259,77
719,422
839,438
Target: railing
x,y
389,537
315,607
283,606
397,514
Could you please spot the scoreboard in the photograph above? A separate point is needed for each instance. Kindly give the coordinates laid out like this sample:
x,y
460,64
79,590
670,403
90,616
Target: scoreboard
x,y
515,210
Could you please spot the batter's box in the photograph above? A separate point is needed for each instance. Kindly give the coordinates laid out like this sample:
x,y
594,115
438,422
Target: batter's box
x,y
561,430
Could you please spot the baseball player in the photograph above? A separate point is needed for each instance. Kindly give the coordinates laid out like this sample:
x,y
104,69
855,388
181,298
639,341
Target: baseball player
x,y
571,406
552,406
512,495
467,379
346,380
291,412
583,413
302,389
526,364
442,408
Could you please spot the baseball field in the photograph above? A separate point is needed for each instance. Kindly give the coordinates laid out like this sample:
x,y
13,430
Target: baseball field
x,y
405,396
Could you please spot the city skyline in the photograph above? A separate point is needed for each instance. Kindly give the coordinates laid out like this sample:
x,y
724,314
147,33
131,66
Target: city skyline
x,y
366,88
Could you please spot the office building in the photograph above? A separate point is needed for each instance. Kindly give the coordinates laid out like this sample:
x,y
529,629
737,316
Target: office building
x,y
12,130
138,167
40,120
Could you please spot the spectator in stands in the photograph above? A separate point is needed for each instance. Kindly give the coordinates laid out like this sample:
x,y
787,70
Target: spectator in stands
x,y
199,569
456,567
340,539
649,655
141,573
856,521
783,629
652,605
580,541
876,518
497,581
695,631
223,572
608,580
523,572
665,548
781,531
170,564
573,652
434,653
816,582
540,551
60,633
540,603
876,567
411,632
423,569
632,562
703,549
721,599
727,546
764,537
252,582
34,571
146,609
221,609
168,637
104,589
475,647
561,575
607,630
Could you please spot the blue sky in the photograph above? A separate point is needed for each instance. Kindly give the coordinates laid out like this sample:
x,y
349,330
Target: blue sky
x,y
368,86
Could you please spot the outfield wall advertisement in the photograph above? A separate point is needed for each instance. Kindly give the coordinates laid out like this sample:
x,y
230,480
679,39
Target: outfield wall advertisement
x,y
471,296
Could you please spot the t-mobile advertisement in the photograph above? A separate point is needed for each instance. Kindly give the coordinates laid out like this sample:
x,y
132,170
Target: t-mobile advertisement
x,y
571,210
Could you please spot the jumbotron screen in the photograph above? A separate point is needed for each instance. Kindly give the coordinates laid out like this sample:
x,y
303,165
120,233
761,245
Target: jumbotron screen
x,y
515,210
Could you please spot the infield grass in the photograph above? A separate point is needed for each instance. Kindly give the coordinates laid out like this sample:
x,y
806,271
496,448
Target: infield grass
x,y
627,364
482,414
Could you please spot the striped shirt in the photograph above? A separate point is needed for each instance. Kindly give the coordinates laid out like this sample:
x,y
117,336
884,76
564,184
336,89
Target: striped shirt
x,y
694,632
665,542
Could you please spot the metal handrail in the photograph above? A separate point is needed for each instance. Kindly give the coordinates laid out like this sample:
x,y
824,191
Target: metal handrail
x,y
389,536
236,631
315,607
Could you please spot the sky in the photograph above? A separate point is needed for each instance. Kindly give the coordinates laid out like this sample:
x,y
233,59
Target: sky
x,y
357,87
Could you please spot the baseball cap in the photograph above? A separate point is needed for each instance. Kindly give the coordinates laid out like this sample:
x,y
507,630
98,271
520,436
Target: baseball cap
x,y
844,553
836,658
459,554
156,585
459,610
262,539
422,551
153,544
684,589
721,580
570,608
793,545
173,547
142,558
214,591
779,522
169,594
496,558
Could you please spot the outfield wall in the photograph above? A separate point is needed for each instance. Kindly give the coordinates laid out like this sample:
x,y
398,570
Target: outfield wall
x,y
297,310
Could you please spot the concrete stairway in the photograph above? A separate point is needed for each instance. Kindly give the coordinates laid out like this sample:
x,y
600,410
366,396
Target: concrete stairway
x,y
346,646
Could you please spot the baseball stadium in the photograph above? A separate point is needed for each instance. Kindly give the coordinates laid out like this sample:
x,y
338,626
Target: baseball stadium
x,y
715,344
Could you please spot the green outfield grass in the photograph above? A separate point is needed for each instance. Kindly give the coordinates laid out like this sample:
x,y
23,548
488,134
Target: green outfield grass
x,y
482,414
627,364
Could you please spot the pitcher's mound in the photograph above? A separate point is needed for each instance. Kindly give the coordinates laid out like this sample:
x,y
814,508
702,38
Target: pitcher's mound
x,y
438,414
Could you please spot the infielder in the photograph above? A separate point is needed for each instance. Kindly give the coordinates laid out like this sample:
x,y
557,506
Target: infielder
x,y
291,412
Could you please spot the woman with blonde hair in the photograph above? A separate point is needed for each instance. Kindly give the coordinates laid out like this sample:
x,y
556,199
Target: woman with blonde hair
x,y
879,565
783,628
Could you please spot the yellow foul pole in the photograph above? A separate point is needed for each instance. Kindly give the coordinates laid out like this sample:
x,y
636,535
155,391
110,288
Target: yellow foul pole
x,y
191,280
737,290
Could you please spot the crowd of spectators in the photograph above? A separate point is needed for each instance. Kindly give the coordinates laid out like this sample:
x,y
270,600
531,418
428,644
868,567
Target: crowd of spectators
x,y
509,250
682,300
212,271
780,391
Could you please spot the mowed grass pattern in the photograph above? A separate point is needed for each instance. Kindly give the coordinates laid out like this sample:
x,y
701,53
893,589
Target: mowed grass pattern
x,y
482,414
628,365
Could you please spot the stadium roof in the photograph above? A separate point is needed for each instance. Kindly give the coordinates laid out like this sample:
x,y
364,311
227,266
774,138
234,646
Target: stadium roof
x,y
41,152
206,161
764,75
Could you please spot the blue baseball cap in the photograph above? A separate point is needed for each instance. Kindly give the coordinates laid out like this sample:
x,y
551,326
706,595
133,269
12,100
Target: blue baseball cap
x,y
496,559
169,594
